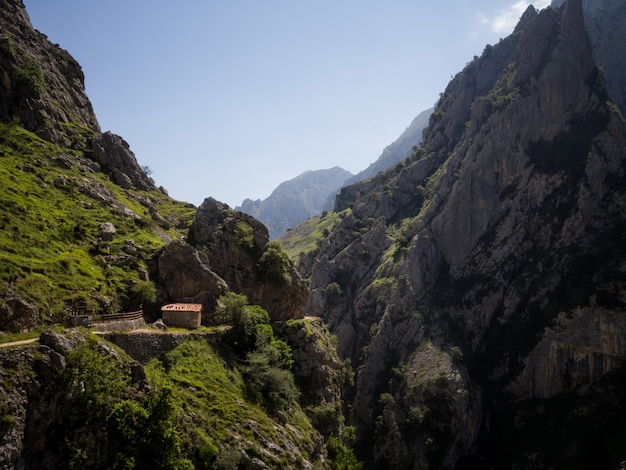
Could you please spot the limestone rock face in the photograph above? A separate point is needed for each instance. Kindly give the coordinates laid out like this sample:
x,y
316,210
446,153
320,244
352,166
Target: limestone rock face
x,y
234,249
185,275
115,157
319,372
605,21
40,83
499,247
40,409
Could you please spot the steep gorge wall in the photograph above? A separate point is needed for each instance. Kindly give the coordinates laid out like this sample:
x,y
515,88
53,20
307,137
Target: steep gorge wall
x,y
496,246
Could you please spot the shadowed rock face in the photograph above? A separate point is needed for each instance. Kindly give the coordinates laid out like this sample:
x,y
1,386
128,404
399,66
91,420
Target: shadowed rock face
x,y
115,157
606,24
499,243
225,251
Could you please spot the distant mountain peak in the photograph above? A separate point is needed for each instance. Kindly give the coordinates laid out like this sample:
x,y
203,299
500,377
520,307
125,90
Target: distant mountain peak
x,y
295,200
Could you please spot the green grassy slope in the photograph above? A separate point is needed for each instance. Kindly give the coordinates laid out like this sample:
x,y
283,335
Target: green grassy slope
x,y
52,204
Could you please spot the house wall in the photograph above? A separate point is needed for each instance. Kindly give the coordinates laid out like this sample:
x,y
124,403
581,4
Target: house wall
x,y
181,318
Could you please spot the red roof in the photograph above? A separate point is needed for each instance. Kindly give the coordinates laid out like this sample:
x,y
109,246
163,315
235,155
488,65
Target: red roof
x,y
182,308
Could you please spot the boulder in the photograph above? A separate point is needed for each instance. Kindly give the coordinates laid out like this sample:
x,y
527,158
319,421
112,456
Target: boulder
x,y
115,157
107,232
186,275
17,314
238,248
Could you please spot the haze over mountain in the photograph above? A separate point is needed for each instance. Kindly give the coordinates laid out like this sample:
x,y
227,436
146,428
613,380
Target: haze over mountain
x,y
295,200
398,150
313,192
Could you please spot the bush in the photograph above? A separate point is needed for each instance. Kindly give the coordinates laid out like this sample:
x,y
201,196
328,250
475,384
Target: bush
x,y
267,384
275,264
144,293
148,436
266,360
244,235
98,379
387,400
340,450
246,322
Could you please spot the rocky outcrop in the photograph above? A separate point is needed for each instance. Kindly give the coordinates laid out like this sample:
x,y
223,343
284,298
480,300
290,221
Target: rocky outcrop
x,y
115,157
17,314
40,83
43,421
185,275
226,251
239,251
322,376
605,21
496,244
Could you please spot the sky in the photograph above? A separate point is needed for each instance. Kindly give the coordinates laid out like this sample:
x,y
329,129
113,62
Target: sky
x,y
229,98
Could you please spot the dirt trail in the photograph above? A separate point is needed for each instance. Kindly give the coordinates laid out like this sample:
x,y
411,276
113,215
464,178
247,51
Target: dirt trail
x,y
18,343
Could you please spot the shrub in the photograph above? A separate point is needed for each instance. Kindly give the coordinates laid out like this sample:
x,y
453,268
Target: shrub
x,y
387,400
456,354
266,360
98,379
274,264
267,384
244,235
333,290
148,436
340,450
144,293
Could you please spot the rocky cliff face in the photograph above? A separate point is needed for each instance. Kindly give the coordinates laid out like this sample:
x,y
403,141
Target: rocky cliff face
x,y
486,272
40,83
605,22
229,250
44,412
43,87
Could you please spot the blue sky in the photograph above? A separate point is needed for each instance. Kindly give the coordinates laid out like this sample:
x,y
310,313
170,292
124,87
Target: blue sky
x,y
230,98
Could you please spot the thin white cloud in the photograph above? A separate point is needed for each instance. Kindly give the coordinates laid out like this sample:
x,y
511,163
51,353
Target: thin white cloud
x,y
505,20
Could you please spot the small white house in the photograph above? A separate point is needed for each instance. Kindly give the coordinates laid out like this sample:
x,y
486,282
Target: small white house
x,y
182,315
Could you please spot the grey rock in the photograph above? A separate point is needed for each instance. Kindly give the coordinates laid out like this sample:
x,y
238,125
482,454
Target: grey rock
x,y
107,231
495,241
159,325
235,243
17,314
186,275
113,154
58,342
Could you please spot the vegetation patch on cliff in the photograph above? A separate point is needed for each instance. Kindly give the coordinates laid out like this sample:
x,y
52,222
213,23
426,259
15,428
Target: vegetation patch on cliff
x,y
63,258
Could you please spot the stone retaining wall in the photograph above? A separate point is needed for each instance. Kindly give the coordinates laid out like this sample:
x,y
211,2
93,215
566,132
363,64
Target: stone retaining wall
x,y
145,346
119,325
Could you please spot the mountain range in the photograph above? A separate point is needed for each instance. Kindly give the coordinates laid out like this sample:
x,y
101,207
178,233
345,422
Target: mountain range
x,y
295,200
313,192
